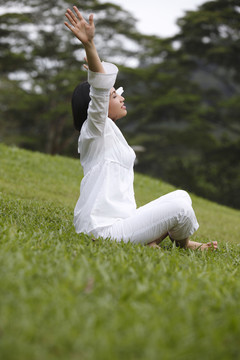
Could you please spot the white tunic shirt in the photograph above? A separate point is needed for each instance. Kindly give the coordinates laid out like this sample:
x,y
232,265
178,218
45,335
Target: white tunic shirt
x,y
106,192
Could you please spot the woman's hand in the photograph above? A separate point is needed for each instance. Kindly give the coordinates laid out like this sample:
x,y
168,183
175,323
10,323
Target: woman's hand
x,y
82,29
85,31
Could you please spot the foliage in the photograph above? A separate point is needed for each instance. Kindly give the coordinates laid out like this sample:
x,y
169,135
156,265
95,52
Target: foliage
x,y
65,297
189,120
182,93
41,64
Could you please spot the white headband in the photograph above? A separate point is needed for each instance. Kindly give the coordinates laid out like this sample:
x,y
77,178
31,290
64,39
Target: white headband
x,y
119,91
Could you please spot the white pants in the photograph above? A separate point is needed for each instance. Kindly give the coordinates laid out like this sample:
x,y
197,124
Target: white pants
x,y
170,214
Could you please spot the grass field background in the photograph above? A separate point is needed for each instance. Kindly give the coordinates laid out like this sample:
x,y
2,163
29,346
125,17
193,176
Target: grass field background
x,y
64,297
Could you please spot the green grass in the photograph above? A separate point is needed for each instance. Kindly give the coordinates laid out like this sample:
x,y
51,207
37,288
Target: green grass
x,y
65,297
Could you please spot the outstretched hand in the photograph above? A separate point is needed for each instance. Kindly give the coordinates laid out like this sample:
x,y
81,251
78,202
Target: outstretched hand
x,y
85,31
82,29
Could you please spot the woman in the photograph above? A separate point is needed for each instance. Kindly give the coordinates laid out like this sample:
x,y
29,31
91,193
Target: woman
x,y
106,206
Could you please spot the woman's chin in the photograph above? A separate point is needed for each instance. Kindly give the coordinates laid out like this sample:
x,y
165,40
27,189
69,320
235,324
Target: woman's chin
x,y
125,113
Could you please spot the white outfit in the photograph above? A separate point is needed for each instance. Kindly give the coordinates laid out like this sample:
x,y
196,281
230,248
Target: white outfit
x,y
106,206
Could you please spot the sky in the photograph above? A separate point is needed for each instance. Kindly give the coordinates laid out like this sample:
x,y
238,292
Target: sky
x,y
158,17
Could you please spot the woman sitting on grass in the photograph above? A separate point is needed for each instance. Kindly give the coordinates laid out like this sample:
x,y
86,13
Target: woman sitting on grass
x,y
106,207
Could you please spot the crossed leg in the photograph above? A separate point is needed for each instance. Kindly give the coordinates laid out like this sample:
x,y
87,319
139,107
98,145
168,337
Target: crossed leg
x,y
170,215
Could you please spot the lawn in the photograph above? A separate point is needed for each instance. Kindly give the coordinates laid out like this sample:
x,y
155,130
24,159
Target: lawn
x,y
64,297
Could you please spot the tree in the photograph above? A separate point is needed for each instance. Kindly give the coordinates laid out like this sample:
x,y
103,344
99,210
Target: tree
x,y
191,104
41,64
182,92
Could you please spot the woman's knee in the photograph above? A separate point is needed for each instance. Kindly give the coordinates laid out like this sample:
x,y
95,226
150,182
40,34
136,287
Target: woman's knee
x,y
184,211
183,195
185,222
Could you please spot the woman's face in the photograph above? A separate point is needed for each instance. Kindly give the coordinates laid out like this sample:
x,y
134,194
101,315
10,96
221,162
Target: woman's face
x,y
116,109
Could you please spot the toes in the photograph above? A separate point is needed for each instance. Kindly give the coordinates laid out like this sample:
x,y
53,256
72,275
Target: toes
x,y
212,245
215,244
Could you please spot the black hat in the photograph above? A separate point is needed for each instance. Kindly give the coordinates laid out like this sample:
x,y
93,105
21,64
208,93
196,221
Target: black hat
x,y
80,102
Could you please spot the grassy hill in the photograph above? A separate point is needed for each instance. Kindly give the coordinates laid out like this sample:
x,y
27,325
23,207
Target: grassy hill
x,y
64,297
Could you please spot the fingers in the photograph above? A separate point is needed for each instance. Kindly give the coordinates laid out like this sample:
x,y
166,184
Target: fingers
x,y
70,20
67,24
79,15
91,22
74,19
71,17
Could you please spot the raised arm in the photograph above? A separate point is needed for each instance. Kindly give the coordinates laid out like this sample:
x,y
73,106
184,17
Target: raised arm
x,y
85,31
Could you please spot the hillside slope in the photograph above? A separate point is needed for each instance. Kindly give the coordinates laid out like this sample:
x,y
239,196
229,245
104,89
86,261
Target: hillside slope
x,y
63,296
35,176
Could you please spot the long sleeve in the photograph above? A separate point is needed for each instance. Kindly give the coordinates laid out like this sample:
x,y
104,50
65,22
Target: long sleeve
x,y
101,85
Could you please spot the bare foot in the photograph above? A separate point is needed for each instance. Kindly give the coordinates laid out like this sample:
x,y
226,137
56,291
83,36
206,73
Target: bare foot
x,y
193,245
154,245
